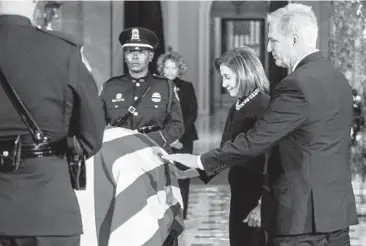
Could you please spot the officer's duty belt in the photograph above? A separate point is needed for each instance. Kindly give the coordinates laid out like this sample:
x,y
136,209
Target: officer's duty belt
x,y
41,150
148,129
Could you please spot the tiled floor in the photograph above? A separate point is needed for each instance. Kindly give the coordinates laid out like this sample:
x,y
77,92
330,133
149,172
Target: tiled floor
x,y
207,223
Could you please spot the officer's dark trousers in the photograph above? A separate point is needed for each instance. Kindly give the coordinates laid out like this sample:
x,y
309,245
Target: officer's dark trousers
x,y
40,241
335,238
184,183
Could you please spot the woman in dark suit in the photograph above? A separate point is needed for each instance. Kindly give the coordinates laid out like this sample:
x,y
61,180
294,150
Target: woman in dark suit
x,y
172,66
243,77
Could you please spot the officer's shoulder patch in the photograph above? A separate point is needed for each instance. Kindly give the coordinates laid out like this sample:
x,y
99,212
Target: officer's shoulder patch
x,y
115,78
61,35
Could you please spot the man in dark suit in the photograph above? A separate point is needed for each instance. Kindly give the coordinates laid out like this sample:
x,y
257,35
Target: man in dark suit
x,y
310,200
38,204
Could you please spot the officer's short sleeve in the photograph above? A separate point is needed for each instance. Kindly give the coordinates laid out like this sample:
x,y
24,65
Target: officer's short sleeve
x,y
87,121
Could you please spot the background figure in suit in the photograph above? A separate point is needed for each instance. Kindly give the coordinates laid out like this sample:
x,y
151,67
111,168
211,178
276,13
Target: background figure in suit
x,y
243,77
310,200
38,204
172,66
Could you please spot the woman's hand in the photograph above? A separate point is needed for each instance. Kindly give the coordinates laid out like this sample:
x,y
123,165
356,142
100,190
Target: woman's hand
x,y
254,217
186,174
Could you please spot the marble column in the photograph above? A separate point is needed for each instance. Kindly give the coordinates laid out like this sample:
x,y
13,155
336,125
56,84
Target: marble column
x,y
347,51
347,46
96,25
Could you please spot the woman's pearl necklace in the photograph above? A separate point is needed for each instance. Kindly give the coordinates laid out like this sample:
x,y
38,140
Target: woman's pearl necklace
x,y
238,105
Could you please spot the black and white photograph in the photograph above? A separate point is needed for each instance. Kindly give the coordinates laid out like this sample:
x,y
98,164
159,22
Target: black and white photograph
x,y
182,123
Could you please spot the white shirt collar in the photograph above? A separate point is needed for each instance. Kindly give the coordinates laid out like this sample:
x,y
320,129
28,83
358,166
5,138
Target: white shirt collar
x,y
301,58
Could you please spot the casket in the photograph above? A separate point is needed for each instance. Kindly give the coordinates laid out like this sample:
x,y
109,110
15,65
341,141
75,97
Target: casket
x,y
132,198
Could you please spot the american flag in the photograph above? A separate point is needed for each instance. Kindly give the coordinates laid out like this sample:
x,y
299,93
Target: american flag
x,y
132,198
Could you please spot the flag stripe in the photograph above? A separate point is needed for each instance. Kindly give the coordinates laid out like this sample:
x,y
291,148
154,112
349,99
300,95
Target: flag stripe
x,y
104,192
112,133
145,222
148,141
147,185
136,198
133,165
172,220
133,206
160,235
87,207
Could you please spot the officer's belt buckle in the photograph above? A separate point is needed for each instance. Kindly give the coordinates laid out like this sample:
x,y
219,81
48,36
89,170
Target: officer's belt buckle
x,y
131,109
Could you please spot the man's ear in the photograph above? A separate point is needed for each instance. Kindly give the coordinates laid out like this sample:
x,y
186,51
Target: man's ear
x,y
151,56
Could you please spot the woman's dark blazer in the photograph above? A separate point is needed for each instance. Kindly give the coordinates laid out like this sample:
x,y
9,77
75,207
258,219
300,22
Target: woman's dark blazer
x,y
242,120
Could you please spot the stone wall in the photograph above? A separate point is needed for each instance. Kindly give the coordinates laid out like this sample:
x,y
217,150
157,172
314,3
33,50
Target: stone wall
x,y
347,51
347,46
95,24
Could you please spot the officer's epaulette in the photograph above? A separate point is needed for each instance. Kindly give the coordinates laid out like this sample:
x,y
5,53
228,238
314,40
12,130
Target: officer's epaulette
x,y
116,77
61,35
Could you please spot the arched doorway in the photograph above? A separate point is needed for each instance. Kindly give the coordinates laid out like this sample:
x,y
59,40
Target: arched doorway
x,y
210,45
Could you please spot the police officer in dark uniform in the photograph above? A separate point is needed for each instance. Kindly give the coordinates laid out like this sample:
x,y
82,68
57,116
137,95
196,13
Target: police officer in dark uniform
x,y
158,113
38,206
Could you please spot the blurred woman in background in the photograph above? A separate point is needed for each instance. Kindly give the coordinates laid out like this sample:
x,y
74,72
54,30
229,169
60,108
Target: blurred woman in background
x,y
172,66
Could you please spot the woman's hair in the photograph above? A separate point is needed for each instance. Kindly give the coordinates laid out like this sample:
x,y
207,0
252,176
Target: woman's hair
x,y
174,57
249,70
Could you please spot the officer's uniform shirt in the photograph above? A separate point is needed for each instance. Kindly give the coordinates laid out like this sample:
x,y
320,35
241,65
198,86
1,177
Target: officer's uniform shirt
x,y
47,72
119,93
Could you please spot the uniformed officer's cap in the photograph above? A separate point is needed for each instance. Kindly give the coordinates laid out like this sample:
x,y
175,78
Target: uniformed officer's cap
x,y
137,38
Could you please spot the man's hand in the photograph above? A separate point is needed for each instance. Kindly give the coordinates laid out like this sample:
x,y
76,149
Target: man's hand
x,y
187,160
176,144
186,174
254,217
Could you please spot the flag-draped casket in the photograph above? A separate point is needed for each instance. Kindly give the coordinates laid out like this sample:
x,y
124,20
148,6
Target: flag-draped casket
x,y
132,198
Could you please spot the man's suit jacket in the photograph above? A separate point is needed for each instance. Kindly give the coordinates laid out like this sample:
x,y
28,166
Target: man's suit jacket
x,y
308,120
188,103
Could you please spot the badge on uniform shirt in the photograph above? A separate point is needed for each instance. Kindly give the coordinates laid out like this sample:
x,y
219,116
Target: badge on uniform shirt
x,y
156,97
135,34
176,93
119,98
84,60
